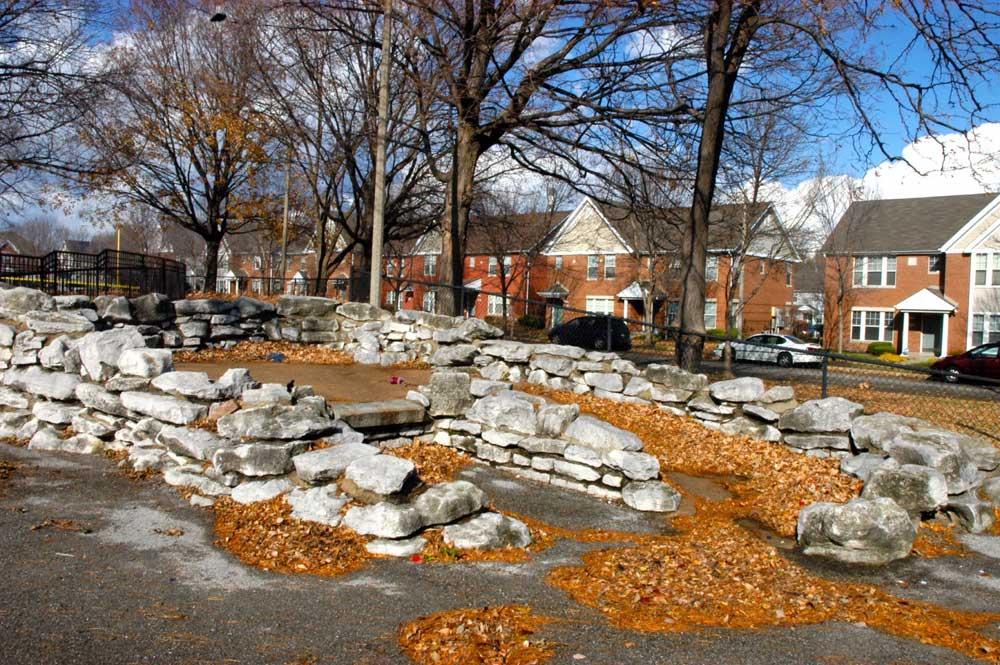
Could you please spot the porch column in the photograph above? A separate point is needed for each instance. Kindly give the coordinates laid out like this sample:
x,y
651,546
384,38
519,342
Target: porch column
x,y
904,348
944,334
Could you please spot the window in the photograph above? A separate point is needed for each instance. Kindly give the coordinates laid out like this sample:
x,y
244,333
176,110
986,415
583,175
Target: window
x,y
430,301
981,269
430,266
935,263
609,266
996,270
601,304
763,267
559,263
507,263
494,305
985,328
875,271
472,262
390,267
788,275
258,285
591,267
871,326
673,309
711,311
712,268
492,266
258,263
390,298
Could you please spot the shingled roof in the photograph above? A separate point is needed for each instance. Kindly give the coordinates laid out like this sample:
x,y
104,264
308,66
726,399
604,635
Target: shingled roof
x,y
903,226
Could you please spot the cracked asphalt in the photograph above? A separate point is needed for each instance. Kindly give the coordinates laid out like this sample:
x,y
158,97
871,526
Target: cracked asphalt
x,y
128,593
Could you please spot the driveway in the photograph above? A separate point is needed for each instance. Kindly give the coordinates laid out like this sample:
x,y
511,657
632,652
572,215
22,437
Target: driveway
x,y
126,592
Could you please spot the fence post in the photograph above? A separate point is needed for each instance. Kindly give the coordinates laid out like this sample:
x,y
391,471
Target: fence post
x,y
826,376
608,319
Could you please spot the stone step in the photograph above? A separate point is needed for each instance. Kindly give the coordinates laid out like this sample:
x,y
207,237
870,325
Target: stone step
x,y
372,415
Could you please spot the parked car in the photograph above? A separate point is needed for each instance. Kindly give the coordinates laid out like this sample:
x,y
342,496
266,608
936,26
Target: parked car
x,y
591,332
981,361
782,350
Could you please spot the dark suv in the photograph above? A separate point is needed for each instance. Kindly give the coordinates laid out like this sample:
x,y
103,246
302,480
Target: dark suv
x,y
591,332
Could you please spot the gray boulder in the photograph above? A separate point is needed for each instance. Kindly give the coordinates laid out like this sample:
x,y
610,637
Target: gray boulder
x,y
251,308
761,413
915,489
600,435
939,450
99,351
861,531
55,413
39,382
504,412
268,393
252,459
974,514
95,397
777,394
275,421
53,356
743,426
13,399
261,490
330,463
991,489
384,520
152,308
553,419
21,300
306,306
833,414
556,365
861,466
743,389
202,306
454,355
560,350
396,547
185,476
508,351
613,383
146,363
635,466
381,474
56,322
114,309
651,496
818,441
191,442
317,504
362,311
449,393
6,335
162,407
875,431
487,531
447,502
674,377
983,454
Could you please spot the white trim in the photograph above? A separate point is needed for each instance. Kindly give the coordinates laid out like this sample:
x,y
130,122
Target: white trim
x,y
972,293
862,308
968,226
571,221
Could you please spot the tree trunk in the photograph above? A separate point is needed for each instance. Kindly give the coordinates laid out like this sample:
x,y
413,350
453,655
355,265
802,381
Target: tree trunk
x,y
456,216
211,263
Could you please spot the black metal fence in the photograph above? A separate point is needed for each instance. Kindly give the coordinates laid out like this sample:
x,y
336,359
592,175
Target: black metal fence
x,y
108,272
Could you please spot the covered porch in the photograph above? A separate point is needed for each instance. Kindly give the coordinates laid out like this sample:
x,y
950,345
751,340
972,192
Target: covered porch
x,y
633,299
924,327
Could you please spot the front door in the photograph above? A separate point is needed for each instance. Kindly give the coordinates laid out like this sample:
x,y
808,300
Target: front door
x,y
557,315
930,334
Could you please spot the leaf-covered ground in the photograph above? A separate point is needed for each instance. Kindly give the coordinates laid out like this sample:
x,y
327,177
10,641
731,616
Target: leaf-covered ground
x,y
503,635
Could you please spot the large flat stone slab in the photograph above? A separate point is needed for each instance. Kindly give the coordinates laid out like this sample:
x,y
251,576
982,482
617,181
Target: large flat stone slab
x,y
369,415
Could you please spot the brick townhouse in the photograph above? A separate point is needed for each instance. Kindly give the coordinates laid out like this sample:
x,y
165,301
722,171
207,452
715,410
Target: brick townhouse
x,y
921,273
592,259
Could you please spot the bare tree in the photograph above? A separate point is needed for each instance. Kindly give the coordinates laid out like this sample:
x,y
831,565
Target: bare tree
x,y
44,232
179,127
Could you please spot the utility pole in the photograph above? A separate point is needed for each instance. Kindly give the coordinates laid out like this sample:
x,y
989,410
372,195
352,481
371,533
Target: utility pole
x,y
284,222
378,207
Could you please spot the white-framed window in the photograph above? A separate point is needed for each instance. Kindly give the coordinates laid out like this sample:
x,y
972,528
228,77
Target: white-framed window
x,y
592,271
788,275
258,263
935,263
559,262
763,266
430,301
257,285
610,263
430,266
871,325
472,262
508,262
987,269
711,314
492,266
494,305
601,304
390,298
985,328
875,271
390,267
711,268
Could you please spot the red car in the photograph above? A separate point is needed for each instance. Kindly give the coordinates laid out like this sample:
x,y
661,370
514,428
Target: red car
x,y
981,361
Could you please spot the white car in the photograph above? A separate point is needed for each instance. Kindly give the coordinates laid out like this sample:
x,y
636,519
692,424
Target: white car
x,y
771,348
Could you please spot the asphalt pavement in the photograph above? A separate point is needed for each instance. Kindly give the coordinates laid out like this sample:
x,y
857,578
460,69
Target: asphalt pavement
x,y
125,592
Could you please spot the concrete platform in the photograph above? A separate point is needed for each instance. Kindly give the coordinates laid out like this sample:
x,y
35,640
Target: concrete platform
x,y
379,415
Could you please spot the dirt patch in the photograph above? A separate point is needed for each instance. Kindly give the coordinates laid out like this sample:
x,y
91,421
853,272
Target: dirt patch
x,y
337,383
501,635
8,470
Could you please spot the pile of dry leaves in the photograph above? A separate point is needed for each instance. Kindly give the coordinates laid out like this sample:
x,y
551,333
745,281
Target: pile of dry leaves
x,y
435,464
501,635
265,535
260,352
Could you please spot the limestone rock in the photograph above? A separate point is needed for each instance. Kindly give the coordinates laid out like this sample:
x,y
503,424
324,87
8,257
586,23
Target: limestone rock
x,y
487,531
114,309
743,389
875,431
252,459
152,308
261,490
612,383
162,407
635,466
330,463
317,504
381,474
99,351
861,466
13,399
146,363
399,547
21,300
37,381
384,520
553,419
651,496
56,322
447,502
974,514
862,531
915,489
55,413
833,414
600,435
504,412
191,442
184,476
306,306
939,450
745,427
674,377
449,393
454,355
275,421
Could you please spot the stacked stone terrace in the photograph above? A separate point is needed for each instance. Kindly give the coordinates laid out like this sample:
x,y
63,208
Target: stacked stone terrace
x,y
82,375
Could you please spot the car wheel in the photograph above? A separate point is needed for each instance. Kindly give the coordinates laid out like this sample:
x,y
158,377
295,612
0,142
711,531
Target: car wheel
x,y
784,359
951,375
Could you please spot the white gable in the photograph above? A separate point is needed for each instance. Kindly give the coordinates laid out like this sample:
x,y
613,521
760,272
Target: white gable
x,y
586,231
925,300
980,232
